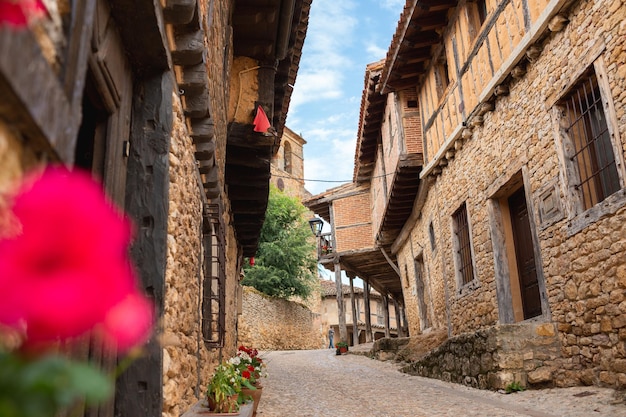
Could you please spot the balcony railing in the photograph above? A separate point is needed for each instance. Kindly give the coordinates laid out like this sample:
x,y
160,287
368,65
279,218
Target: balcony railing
x,y
324,245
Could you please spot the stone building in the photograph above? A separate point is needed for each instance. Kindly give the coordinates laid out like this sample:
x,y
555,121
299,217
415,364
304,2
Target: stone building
x,y
515,241
330,314
287,167
178,107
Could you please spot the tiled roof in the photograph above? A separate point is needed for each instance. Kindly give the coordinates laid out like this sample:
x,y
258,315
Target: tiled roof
x,y
418,32
329,288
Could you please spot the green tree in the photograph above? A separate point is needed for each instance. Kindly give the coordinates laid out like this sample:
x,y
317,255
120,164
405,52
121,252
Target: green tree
x,y
285,262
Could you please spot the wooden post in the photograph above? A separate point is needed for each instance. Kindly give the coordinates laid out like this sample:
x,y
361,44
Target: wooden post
x,y
355,319
341,313
398,318
386,314
368,313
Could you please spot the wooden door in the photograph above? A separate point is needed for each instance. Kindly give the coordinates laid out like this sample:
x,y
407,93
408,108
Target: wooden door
x,y
525,255
102,148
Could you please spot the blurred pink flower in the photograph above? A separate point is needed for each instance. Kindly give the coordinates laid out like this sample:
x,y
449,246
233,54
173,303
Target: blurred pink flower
x,y
18,13
66,267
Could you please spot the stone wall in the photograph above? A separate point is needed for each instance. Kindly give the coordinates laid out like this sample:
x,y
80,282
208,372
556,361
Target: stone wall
x,y
495,357
581,261
269,323
182,278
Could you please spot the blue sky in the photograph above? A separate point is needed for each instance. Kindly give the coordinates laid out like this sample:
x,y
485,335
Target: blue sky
x,y
342,38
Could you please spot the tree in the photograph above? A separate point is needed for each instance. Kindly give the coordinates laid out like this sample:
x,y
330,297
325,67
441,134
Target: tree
x,y
285,263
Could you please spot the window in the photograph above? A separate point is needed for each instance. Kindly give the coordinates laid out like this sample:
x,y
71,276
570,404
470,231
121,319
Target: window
x,y
481,11
288,156
442,75
591,156
477,15
214,283
463,247
380,315
431,236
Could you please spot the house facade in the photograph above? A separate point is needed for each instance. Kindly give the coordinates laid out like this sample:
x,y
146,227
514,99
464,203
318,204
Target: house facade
x,y
164,110
329,313
514,244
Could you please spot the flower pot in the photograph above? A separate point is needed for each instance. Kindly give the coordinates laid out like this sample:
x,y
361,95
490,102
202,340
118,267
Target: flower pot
x,y
226,407
201,409
342,350
256,396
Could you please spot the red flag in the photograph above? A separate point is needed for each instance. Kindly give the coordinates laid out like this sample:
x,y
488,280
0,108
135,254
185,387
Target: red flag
x,y
261,123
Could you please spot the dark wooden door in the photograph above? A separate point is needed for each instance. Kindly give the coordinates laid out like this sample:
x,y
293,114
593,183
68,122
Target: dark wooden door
x,y
525,255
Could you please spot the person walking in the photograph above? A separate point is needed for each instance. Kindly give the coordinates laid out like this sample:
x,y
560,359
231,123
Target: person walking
x,y
331,335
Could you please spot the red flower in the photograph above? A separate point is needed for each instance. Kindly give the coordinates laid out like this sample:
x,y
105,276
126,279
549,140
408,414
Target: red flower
x,y
65,268
250,368
245,374
18,13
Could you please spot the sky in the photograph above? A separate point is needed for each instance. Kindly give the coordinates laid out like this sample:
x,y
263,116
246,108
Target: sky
x,y
342,38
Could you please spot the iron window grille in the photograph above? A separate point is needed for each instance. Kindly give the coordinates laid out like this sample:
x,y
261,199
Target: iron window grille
x,y
214,283
464,250
588,133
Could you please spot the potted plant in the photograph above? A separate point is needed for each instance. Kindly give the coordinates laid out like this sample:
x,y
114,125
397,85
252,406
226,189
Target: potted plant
x,y
251,368
342,348
224,388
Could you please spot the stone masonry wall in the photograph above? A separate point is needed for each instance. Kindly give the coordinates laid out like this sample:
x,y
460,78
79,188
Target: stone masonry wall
x,y
269,323
584,270
182,287
494,357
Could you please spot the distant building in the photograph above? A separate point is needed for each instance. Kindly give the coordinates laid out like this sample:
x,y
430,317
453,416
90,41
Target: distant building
x,y
329,313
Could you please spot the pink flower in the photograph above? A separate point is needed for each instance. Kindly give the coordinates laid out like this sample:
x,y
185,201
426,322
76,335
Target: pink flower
x,y
65,268
18,13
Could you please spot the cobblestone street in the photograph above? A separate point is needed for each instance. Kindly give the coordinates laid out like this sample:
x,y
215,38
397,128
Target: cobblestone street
x,y
314,383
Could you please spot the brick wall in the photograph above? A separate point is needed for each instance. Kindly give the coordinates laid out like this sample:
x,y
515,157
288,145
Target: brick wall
x,y
411,121
353,229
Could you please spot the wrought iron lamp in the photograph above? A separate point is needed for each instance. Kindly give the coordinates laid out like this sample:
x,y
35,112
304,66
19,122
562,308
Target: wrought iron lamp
x,y
316,225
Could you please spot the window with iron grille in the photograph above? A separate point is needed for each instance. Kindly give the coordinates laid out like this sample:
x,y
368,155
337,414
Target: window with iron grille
x,y
463,246
213,289
587,131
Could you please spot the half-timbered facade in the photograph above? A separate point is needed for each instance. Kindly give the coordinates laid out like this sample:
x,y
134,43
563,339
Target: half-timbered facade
x,y
523,178
163,103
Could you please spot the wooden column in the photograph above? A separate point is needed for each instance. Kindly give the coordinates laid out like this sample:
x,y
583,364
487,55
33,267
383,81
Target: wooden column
x,y
386,313
341,313
355,319
147,191
368,312
396,307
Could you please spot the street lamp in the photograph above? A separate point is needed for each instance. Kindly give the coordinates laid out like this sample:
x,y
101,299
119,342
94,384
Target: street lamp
x,y
316,225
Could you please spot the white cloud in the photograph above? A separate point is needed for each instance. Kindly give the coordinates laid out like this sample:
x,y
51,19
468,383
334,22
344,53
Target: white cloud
x,y
316,84
375,51
333,161
393,4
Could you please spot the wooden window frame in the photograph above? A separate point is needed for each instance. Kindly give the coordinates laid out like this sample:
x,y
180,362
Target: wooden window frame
x,y
579,213
586,128
463,250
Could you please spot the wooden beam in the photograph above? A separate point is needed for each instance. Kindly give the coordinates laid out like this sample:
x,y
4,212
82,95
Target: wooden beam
x,y
177,12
